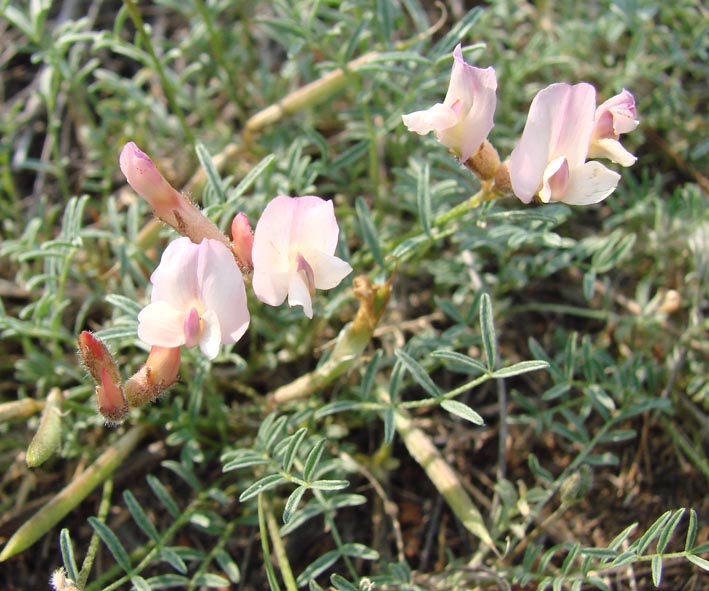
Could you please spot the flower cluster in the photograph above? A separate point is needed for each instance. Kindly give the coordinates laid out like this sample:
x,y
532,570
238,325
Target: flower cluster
x,y
199,288
564,129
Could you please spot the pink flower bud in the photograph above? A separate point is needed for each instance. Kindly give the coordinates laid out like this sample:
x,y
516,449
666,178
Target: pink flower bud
x,y
243,240
96,358
168,204
99,362
110,400
146,180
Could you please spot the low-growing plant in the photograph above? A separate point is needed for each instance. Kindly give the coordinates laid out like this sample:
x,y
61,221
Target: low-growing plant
x,y
490,231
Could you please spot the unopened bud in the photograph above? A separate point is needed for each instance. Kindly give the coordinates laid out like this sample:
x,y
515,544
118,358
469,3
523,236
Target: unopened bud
x,y
243,239
100,364
96,358
156,376
168,204
142,174
110,400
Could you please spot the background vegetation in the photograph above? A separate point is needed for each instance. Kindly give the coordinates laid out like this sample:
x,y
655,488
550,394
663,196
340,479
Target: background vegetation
x,y
613,298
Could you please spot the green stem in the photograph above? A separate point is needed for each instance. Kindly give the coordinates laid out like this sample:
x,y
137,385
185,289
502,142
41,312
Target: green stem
x,y
279,548
103,509
331,526
475,201
270,574
157,64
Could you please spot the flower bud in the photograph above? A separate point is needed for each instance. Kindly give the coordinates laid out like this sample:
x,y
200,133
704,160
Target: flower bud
x,y
110,400
96,358
243,240
156,376
145,179
99,362
168,203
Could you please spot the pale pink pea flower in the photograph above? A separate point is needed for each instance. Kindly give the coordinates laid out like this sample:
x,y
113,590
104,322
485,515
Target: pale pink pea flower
x,y
293,251
614,117
464,119
550,158
198,298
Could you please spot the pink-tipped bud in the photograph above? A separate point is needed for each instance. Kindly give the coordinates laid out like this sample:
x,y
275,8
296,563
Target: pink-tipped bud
x,y
99,362
156,376
168,204
96,358
142,174
110,400
243,239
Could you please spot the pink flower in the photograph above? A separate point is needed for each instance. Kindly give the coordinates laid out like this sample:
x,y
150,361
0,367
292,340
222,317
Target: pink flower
x,y
198,298
293,251
614,117
550,157
465,118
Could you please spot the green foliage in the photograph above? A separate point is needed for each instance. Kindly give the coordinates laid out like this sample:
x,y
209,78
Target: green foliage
x,y
556,357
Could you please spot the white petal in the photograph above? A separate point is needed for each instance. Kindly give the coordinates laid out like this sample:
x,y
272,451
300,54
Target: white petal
x,y
175,278
573,115
438,117
222,290
590,183
161,324
211,335
328,269
298,294
271,250
314,225
270,288
613,150
555,180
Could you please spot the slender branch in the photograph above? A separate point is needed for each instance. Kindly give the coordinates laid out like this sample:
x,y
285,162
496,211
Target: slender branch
x,y
278,547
